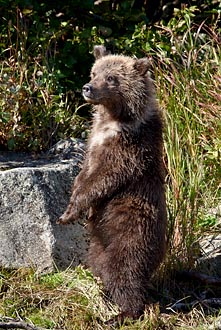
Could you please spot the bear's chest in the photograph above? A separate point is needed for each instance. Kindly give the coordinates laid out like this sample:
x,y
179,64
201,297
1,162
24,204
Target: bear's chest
x,y
103,133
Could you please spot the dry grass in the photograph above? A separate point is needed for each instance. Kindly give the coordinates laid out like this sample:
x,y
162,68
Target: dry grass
x,y
72,300
189,91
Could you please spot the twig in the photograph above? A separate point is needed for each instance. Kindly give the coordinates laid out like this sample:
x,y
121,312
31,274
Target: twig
x,y
10,323
197,276
184,307
211,302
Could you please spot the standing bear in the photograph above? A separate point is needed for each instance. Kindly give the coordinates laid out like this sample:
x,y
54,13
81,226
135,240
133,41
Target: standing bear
x,y
121,183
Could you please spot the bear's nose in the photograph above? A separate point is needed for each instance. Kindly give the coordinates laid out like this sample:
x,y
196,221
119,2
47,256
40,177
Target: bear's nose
x,y
87,88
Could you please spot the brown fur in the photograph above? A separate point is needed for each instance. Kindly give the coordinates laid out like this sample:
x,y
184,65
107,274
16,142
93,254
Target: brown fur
x,y
122,180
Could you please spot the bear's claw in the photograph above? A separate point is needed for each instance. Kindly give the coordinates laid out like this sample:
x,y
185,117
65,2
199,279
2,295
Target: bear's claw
x,y
64,220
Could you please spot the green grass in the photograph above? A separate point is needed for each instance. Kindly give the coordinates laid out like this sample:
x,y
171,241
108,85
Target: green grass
x,y
72,300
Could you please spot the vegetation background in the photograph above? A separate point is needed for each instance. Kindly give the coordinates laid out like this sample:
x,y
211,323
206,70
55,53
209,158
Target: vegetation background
x,y
45,58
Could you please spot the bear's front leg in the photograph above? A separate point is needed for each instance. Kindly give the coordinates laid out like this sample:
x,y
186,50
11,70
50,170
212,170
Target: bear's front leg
x,y
68,216
73,211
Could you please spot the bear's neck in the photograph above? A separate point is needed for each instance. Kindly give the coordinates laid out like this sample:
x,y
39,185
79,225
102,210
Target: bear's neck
x,y
103,118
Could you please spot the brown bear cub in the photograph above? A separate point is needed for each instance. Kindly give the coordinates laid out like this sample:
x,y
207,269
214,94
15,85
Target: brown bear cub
x,y
121,183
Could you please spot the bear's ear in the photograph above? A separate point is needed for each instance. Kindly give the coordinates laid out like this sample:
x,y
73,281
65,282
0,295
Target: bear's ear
x,y
142,65
100,51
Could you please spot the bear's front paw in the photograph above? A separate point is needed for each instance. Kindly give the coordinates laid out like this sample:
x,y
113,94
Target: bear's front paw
x,y
65,219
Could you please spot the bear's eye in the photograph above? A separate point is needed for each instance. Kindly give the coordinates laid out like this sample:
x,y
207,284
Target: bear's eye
x,y
110,78
93,74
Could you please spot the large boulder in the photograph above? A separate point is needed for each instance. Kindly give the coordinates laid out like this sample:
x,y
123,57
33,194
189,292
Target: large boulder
x,y
34,193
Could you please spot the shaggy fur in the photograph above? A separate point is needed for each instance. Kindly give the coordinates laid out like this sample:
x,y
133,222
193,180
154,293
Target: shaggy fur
x,y
122,180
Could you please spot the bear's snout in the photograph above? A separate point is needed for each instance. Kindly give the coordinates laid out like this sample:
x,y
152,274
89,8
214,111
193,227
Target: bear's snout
x,y
87,90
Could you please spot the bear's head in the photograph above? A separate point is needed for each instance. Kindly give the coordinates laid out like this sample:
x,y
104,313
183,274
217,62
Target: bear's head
x,y
120,83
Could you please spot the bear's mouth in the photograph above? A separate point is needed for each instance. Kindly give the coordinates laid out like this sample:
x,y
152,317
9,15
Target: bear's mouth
x,y
90,99
87,96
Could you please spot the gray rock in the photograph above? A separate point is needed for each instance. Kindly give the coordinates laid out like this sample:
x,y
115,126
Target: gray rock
x,y
210,260
210,247
34,193
216,325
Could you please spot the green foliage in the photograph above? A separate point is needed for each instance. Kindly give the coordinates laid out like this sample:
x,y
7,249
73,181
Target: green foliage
x,y
45,58
39,58
207,222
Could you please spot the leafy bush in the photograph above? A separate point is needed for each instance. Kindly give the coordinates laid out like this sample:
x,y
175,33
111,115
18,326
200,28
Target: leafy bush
x,y
45,60
37,105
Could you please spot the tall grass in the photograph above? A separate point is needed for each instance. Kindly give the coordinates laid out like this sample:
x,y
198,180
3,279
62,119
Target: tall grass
x,y
190,91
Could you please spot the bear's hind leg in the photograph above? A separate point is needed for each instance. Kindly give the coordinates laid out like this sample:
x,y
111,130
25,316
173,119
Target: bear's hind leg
x,y
125,278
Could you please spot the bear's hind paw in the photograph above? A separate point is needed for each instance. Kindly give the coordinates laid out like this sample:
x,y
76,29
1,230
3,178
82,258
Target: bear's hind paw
x,y
124,318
